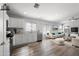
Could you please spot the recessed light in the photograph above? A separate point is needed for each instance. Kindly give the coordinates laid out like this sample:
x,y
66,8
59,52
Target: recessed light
x,y
25,12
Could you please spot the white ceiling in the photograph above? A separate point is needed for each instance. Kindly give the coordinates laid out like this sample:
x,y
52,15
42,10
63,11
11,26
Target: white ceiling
x,y
46,11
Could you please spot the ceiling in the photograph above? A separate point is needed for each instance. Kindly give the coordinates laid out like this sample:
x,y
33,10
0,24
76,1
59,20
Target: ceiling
x,y
46,11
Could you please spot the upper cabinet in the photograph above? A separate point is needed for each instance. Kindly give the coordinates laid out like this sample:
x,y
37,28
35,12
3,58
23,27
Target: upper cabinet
x,y
16,23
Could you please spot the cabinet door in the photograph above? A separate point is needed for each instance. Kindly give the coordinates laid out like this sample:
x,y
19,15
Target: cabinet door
x,y
31,32
32,36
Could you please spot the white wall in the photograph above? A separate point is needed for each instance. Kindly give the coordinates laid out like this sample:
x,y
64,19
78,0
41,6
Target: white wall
x,y
25,37
74,23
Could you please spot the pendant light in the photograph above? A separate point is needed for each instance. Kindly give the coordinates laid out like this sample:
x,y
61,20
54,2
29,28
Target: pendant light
x,y
36,5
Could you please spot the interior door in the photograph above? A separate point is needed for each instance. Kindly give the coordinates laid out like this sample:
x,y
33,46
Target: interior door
x,y
4,43
1,33
6,40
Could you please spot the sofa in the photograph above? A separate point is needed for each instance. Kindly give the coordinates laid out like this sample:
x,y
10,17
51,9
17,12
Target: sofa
x,y
58,34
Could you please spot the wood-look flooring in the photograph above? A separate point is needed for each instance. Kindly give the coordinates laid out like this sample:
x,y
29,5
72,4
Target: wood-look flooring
x,y
46,48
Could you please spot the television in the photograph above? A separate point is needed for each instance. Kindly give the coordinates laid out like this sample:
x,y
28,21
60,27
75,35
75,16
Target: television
x,y
74,29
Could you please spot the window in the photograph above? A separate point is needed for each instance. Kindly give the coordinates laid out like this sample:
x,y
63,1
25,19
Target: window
x,y
30,27
33,27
